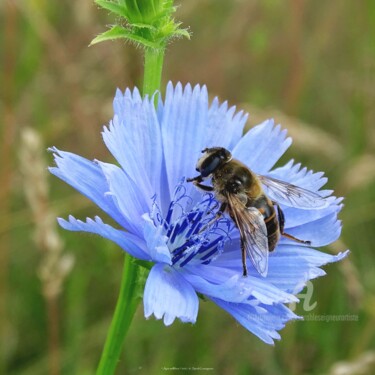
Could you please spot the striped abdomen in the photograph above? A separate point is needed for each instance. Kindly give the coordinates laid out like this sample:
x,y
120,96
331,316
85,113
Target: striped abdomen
x,y
265,206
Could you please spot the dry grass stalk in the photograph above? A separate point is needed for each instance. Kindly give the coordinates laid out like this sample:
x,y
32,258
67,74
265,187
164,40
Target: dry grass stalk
x,y
54,266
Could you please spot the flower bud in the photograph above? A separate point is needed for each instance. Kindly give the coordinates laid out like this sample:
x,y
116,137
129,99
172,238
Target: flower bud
x,y
148,23
147,12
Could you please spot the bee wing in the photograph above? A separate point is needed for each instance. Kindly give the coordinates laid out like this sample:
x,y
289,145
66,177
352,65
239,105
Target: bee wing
x,y
253,232
291,195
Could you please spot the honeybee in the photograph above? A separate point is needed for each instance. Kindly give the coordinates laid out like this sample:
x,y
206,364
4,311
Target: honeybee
x,y
240,192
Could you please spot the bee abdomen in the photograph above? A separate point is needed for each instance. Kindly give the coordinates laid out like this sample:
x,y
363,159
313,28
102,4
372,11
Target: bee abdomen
x,y
270,219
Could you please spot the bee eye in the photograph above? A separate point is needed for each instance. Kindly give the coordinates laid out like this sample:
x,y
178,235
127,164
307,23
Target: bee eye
x,y
224,154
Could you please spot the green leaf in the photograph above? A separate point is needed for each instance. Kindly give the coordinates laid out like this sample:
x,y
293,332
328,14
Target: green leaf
x,y
134,10
148,23
145,42
118,32
143,26
116,8
182,32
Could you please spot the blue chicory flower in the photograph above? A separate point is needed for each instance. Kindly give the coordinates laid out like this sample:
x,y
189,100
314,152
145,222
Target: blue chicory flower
x,y
161,216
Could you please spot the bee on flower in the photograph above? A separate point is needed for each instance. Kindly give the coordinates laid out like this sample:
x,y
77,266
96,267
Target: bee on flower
x,y
193,240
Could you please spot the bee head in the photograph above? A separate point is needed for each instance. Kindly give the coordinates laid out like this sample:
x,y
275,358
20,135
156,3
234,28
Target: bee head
x,y
212,159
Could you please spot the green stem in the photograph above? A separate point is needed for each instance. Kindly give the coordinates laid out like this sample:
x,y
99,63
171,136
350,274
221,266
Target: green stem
x,y
133,278
153,68
127,304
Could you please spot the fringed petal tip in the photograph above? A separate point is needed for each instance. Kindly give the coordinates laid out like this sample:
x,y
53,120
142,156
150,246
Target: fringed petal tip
x,y
262,322
262,146
127,241
169,296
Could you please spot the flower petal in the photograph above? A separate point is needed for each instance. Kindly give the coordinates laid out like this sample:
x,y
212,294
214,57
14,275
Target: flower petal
x,y
156,241
262,146
131,200
319,232
302,177
291,273
312,256
184,123
128,242
168,294
86,177
122,101
224,127
253,285
296,216
264,325
292,266
232,290
134,139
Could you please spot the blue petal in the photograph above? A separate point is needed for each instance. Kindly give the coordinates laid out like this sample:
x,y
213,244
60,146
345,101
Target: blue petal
x,y
291,273
224,127
217,273
232,290
134,138
168,294
292,266
132,201
128,242
184,123
264,325
262,146
295,216
320,232
300,176
156,241
119,102
86,177
313,257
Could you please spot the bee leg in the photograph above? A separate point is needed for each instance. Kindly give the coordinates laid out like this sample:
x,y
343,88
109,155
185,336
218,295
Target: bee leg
x,y
219,213
281,218
203,187
221,210
198,178
197,182
243,253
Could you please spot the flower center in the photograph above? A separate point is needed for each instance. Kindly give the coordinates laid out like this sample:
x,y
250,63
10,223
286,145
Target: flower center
x,y
194,234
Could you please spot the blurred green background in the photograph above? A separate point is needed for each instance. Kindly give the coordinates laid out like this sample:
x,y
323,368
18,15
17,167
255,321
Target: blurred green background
x,y
308,64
